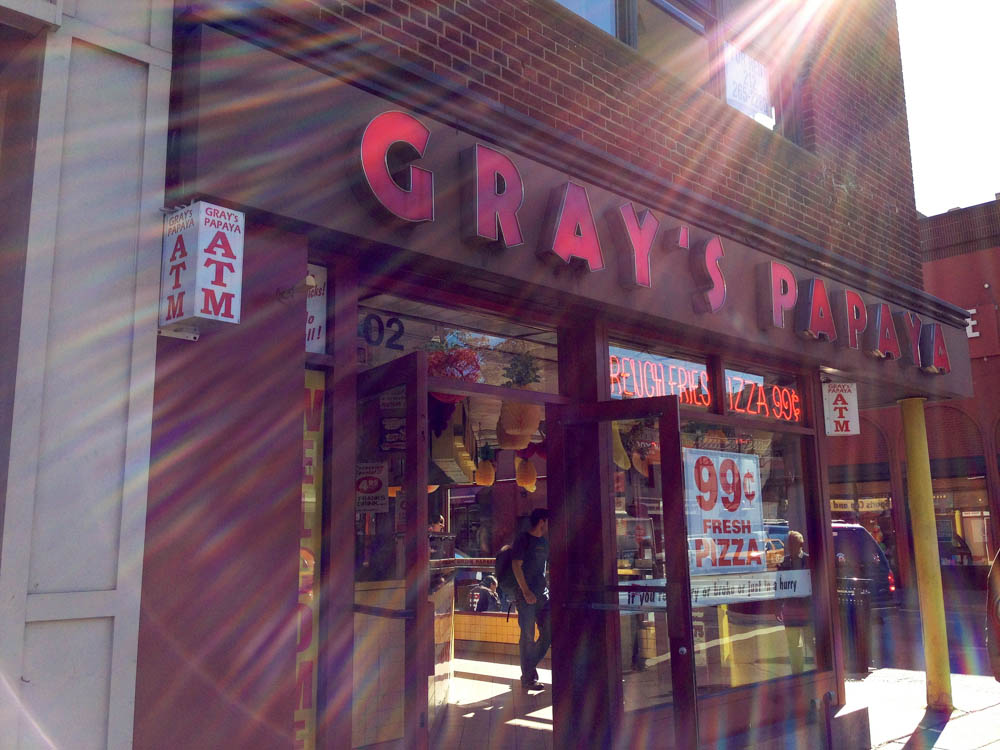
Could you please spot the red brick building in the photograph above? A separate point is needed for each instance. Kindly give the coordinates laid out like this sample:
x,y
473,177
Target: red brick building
x,y
960,265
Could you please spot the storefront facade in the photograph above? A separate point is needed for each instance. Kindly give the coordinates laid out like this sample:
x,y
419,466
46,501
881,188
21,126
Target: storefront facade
x,y
488,293
461,261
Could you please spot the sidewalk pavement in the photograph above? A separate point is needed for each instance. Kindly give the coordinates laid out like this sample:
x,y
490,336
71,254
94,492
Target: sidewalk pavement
x,y
885,709
896,702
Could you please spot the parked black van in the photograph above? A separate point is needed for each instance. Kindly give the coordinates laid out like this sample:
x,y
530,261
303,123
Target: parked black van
x,y
858,555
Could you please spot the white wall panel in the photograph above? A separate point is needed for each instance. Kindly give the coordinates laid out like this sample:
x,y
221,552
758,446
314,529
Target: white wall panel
x,y
77,518
71,558
130,19
66,664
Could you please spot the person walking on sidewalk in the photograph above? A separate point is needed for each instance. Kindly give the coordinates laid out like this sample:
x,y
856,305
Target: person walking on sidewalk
x,y
795,613
529,560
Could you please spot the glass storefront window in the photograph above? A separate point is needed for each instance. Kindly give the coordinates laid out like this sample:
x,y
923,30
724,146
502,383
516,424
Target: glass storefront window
x,y
764,395
961,511
641,562
860,490
961,499
643,374
472,347
748,552
307,653
868,505
379,518
748,548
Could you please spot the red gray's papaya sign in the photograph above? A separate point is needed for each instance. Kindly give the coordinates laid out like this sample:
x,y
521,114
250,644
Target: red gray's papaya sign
x,y
493,193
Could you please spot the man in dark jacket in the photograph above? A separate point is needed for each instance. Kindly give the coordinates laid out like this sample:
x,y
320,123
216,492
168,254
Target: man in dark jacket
x,y
489,599
529,559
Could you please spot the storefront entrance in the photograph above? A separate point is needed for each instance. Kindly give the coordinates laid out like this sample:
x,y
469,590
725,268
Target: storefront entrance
x,y
621,584
441,486
614,540
671,591
407,571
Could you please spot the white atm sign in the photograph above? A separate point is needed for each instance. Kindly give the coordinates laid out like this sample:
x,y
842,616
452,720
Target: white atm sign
x,y
840,408
201,277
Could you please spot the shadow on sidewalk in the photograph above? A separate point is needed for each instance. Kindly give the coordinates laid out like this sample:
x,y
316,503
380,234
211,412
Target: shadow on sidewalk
x,y
926,735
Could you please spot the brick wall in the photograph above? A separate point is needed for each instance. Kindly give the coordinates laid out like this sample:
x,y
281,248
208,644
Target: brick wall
x,y
959,232
849,189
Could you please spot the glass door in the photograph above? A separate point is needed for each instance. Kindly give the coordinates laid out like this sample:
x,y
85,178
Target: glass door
x,y
393,617
620,573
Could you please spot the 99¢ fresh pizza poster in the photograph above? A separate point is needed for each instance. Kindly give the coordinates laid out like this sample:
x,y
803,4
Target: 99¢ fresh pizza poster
x,y
724,512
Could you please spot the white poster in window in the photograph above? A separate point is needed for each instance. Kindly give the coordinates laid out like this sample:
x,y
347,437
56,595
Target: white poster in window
x,y
707,591
316,311
372,488
747,86
725,519
840,407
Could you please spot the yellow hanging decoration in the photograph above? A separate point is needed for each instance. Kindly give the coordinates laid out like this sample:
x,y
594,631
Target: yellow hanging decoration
x,y
519,417
526,475
486,473
619,454
508,441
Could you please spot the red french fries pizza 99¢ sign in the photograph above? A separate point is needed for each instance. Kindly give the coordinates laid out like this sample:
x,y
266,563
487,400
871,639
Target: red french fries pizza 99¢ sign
x,y
724,514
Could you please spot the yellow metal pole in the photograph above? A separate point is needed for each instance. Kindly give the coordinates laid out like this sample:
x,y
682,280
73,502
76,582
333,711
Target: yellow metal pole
x,y
925,552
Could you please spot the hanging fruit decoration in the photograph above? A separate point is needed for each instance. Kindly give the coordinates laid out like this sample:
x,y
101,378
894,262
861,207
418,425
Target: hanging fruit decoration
x,y
532,449
486,474
506,441
526,474
486,470
519,420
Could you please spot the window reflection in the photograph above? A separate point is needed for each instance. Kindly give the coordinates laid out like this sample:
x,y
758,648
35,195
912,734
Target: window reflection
x,y
641,550
466,346
748,551
751,579
601,13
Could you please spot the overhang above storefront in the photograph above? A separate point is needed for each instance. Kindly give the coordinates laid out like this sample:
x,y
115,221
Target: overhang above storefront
x,y
265,134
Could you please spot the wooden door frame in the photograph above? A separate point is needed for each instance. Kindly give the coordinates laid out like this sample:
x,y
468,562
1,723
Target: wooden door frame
x,y
418,613
572,687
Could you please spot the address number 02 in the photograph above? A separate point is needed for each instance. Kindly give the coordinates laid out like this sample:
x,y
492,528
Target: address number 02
x,y
373,328
723,483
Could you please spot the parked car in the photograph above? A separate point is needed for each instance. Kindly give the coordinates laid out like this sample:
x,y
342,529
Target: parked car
x,y
772,551
993,616
858,555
